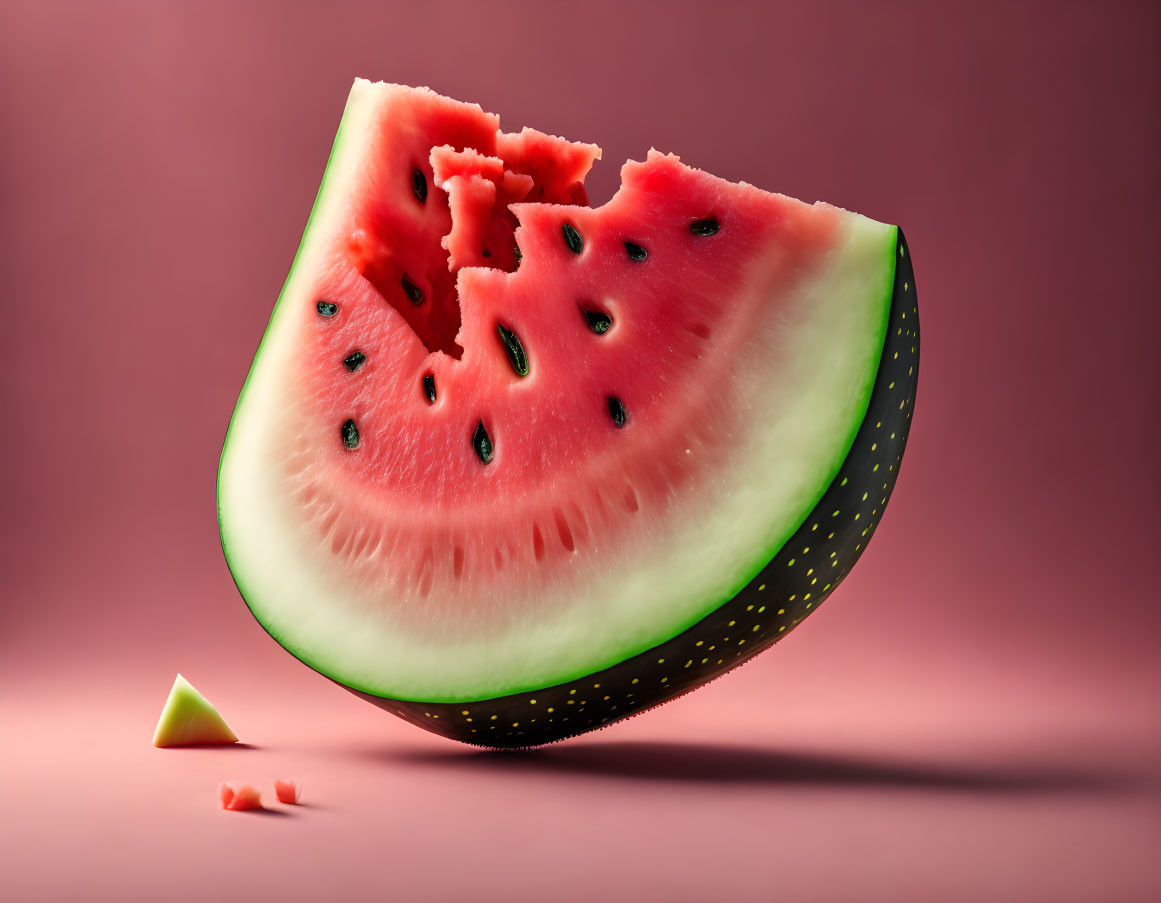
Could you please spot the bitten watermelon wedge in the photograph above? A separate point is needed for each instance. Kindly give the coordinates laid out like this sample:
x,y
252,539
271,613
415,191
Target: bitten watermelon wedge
x,y
513,468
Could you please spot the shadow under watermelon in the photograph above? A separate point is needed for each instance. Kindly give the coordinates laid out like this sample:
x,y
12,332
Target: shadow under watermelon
x,y
710,763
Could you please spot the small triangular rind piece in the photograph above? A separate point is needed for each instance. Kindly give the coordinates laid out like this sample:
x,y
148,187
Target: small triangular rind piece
x,y
189,719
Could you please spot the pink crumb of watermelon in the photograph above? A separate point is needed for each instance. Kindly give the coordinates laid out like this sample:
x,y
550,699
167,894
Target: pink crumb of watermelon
x,y
287,791
240,798
225,794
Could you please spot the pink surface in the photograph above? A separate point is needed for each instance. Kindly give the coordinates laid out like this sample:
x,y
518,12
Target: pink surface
x,y
973,716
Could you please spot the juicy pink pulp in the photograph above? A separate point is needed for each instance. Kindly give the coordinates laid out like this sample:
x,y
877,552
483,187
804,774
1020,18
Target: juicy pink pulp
x,y
413,502
242,798
287,791
396,237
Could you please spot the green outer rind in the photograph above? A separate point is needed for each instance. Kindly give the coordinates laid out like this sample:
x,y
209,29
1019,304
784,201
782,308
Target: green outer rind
x,y
798,577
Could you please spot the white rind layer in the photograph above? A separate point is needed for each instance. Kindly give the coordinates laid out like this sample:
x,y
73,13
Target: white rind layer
x,y
808,379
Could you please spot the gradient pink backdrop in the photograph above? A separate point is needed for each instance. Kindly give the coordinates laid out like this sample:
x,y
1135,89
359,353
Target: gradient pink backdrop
x,y
975,714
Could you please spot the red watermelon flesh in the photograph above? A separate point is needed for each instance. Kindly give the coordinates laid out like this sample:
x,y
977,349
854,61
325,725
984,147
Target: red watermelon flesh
x,y
243,798
496,441
392,241
287,791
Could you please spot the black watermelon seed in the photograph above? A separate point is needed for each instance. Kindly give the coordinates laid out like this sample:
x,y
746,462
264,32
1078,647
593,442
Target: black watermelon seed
x,y
599,322
419,184
483,443
429,387
515,351
350,434
327,308
519,256
354,361
572,238
636,252
617,411
414,292
707,226
485,253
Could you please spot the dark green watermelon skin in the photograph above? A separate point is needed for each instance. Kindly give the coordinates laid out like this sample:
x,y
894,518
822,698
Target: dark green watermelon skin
x,y
766,610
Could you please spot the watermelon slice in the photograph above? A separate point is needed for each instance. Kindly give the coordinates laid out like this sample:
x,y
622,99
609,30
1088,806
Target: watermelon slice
x,y
189,719
513,468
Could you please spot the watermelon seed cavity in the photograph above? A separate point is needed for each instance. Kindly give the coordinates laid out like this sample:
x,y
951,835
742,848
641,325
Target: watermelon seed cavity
x,y
354,361
636,252
414,292
327,308
419,183
709,226
483,443
617,411
350,434
599,322
572,238
515,351
485,253
429,387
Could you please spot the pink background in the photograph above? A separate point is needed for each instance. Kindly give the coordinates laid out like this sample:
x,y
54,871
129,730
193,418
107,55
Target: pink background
x,y
975,714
